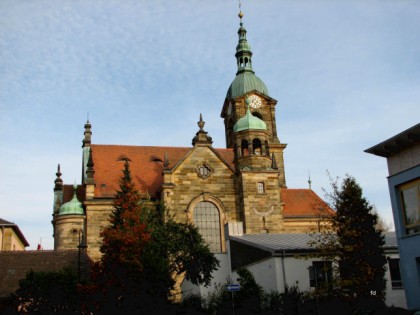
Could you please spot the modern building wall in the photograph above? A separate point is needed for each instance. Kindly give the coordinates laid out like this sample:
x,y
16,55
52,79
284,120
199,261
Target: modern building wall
x,y
408,243
402,152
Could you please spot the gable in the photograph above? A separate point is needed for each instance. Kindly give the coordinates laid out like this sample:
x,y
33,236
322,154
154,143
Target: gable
x,y
146,166
204,154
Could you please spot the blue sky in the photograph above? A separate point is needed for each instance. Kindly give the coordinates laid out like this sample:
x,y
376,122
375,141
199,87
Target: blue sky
x,y
346,75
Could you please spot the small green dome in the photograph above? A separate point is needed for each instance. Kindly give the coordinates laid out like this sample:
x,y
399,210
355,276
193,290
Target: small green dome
x,y
248,122
243,47
245,82
74,206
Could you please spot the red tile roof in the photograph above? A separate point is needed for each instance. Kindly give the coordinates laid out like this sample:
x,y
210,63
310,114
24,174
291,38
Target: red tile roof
x,y
146,170
68,193
146,166
303,203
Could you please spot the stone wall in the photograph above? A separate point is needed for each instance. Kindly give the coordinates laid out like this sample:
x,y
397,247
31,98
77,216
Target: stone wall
x,y
97,217
262,211
188,185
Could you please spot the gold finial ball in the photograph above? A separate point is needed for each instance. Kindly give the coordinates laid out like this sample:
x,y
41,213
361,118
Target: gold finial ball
x,y
240,14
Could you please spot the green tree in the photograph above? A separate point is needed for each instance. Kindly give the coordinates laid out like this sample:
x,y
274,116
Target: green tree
x,y
143,250
124,239
117,278
355,242
53,292
176,250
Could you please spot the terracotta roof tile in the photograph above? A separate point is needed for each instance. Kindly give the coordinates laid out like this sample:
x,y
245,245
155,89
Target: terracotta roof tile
x,y
146,166
68,193
303,203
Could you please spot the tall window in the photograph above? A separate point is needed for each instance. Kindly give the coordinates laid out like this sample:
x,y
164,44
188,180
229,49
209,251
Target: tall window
x,y
394,270
410,197
244,148
256,147
320,274
207,219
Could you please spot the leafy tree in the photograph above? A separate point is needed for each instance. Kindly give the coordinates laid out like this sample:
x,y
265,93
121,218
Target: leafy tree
x,y
143,252
48,292
176,250
355,243
126,236
117,279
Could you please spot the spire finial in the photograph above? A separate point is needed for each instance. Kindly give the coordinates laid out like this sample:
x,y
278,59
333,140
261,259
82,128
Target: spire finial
x,y
201,123
88,134
240,13
201,136
243,49
309,181
58,181
90,171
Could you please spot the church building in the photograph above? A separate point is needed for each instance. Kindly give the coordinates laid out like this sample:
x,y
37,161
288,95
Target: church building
x,y
242,185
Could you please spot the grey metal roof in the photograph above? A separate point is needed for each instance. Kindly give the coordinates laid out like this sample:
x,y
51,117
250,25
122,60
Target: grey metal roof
x,y
390,239
397,143
293,242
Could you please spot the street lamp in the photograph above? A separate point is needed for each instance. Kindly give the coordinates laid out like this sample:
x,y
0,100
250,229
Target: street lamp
x,y
82,245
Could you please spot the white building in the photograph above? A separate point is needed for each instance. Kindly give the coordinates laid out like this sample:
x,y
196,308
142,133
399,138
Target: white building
x,y
280,260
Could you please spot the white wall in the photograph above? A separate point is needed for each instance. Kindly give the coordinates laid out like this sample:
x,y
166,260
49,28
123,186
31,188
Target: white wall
x,y
220,277
268,273
395,297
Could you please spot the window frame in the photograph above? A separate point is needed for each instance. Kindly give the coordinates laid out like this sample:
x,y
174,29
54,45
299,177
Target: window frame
x,y
395,273
216,246
201,174
259,186
326,270
410,228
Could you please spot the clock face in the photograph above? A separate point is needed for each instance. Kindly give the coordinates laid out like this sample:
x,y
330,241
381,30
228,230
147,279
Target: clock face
x,y
255,101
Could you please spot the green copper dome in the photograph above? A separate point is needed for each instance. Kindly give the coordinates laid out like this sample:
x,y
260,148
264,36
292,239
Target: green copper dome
x,y
74,206
245,80
249,121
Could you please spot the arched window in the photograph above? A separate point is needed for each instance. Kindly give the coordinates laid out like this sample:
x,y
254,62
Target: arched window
x,y
244,148
207,219
256,147
256,114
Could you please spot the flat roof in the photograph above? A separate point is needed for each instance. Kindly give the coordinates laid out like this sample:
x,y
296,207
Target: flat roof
x,y
294,242
397,143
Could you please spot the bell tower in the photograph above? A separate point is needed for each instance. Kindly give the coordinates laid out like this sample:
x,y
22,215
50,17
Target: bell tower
x,y
248,99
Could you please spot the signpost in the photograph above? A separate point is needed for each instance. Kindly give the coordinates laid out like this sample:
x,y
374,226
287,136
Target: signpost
x,y
232,287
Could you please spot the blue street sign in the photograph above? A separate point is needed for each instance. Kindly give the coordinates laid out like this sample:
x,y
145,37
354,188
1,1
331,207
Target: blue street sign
x,y
233,287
